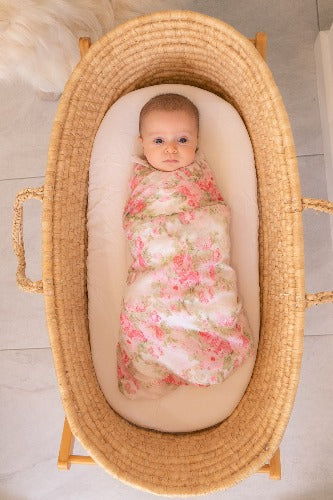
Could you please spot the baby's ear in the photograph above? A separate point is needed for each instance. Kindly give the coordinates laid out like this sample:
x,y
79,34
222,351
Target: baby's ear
x,y
140,138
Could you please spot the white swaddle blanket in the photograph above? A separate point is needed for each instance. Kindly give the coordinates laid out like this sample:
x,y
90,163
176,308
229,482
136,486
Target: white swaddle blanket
x,y
225,142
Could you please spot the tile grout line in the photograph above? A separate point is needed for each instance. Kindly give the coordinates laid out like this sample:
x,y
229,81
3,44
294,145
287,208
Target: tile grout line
x,y
22,178
306,156
49,348
26,349
317,10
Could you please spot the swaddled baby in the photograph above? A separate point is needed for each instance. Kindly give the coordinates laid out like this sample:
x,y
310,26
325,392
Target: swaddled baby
x,y
181,319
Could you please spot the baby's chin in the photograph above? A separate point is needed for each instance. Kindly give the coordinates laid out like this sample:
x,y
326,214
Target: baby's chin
x,y
171,166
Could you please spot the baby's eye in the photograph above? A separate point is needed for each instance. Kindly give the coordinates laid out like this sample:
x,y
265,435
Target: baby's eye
x,y
158,140
182,140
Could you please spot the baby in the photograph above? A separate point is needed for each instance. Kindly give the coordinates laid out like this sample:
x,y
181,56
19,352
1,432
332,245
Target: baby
x,y
181,320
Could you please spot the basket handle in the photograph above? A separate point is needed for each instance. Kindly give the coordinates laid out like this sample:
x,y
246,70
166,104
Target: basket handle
x,y
17,235
313,299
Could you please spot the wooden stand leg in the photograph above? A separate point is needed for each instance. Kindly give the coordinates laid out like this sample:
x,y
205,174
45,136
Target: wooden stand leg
x,y
274,466
260,43
66,458
84,44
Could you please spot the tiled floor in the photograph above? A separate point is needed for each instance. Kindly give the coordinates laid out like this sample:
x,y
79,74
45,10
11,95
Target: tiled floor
x,y
31,411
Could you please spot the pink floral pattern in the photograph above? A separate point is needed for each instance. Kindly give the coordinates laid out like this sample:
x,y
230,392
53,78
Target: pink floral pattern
x,y
181,320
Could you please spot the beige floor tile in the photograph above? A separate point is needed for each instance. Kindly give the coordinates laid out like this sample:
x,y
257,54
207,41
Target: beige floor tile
x,y
25,133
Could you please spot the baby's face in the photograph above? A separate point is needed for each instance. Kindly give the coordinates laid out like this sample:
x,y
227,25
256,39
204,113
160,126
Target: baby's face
x,y
169,139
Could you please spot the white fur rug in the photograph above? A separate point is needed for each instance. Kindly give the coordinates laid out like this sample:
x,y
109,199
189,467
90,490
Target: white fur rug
x,y
39,38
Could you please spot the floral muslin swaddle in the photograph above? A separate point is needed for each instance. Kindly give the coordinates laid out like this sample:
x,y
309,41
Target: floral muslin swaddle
x,y
181,320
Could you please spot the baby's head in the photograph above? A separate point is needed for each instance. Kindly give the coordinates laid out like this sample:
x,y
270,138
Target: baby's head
x,y
169,128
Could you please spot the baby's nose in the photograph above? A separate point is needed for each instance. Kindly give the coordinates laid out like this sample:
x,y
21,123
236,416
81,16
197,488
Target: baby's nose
x,y
171,147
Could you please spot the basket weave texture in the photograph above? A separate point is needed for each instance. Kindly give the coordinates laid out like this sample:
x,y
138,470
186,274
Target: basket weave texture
x,y
193,49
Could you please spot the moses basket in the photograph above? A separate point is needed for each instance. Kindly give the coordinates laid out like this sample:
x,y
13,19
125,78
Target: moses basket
x,y
193,49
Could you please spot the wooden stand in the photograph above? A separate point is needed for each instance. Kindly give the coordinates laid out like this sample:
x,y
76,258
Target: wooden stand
x,y
66,458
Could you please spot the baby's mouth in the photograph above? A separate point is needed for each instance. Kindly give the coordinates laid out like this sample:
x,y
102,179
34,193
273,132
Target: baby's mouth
x,y
171,160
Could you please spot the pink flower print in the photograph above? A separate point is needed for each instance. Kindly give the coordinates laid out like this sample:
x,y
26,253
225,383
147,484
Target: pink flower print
x,y
155,351
178,260
226,321
128,388
209,186
189,278
205,335
207,244
203,297
192,199
216,343
155,230
158,332
136,334
205,184
186,216
182,261
182,189
139,244
128,329
206,295
155,317
124,321
245,342
124,357
137,252
139,307
136,206
212,272
223,346
216,255
134,182
205,364
173,379
142,262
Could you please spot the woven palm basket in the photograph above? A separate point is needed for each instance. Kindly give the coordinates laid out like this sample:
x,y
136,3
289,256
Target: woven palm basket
x,y
193,49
